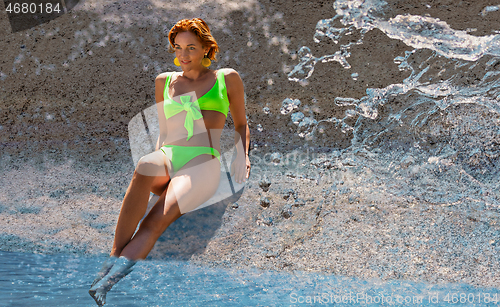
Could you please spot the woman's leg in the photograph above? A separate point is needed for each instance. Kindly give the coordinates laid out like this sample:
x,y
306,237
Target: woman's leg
x,y
191,186
163,213
151,174
123,265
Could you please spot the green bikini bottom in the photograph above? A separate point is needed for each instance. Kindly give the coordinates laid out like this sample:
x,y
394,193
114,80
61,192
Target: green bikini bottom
x,y
180,155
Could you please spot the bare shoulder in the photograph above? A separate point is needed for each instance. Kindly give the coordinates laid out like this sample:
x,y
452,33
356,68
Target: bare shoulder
x,y
163,76
160,85
235,90
232,77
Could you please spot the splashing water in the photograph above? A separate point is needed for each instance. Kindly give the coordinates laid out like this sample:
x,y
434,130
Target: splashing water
x,y
446,113
415,31
465,52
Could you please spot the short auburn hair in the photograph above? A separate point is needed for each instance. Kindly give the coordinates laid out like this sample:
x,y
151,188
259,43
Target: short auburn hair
x,y
198,27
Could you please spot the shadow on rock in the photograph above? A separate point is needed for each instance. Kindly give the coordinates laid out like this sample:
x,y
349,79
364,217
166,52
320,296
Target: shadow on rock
x,y
190,234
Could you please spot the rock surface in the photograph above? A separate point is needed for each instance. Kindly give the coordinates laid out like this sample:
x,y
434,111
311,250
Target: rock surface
x,y
70,87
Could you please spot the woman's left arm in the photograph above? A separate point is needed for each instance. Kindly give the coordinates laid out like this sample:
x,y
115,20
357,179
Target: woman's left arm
x,y
236,96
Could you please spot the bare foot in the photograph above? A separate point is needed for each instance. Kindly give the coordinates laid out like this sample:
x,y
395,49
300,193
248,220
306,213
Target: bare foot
x,y
120,269
99,296
106,266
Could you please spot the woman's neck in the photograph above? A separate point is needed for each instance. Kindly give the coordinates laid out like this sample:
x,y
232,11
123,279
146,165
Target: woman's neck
x,y
195,74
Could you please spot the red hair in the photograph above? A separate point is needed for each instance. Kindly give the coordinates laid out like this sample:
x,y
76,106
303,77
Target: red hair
x,y
198,27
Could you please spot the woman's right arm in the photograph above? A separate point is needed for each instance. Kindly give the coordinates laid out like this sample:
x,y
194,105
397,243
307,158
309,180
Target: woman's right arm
x,y
162,120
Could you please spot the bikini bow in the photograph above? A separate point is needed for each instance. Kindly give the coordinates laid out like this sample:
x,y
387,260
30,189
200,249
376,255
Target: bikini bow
x,y
193,113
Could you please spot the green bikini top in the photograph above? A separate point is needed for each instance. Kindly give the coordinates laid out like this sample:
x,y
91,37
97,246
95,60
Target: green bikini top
x,y
215,99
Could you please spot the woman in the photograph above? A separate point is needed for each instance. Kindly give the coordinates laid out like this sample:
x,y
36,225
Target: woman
x,y
185,168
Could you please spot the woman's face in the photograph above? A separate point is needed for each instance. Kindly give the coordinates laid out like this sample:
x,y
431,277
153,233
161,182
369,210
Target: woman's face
x,y
189,50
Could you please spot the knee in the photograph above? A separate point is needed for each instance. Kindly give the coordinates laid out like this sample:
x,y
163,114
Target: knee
x,y
149,166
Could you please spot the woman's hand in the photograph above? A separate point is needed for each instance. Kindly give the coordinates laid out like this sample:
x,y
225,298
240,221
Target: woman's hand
x,y
240,167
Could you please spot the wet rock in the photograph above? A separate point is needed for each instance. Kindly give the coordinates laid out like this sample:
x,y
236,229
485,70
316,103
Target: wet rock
x,y
265,202
271,254
264,184
319,208
267,221
322,162
363,152
349,161
288,193
287,212
276,157
407,161
299,202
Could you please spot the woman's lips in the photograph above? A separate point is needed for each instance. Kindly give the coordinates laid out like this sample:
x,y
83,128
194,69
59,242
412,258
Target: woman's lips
x,y
185,62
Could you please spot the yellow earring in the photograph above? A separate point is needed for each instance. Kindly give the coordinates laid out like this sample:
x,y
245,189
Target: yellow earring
x,y
176,62
206,61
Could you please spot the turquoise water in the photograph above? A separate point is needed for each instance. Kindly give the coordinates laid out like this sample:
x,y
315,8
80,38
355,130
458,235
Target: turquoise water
x,y
64,280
